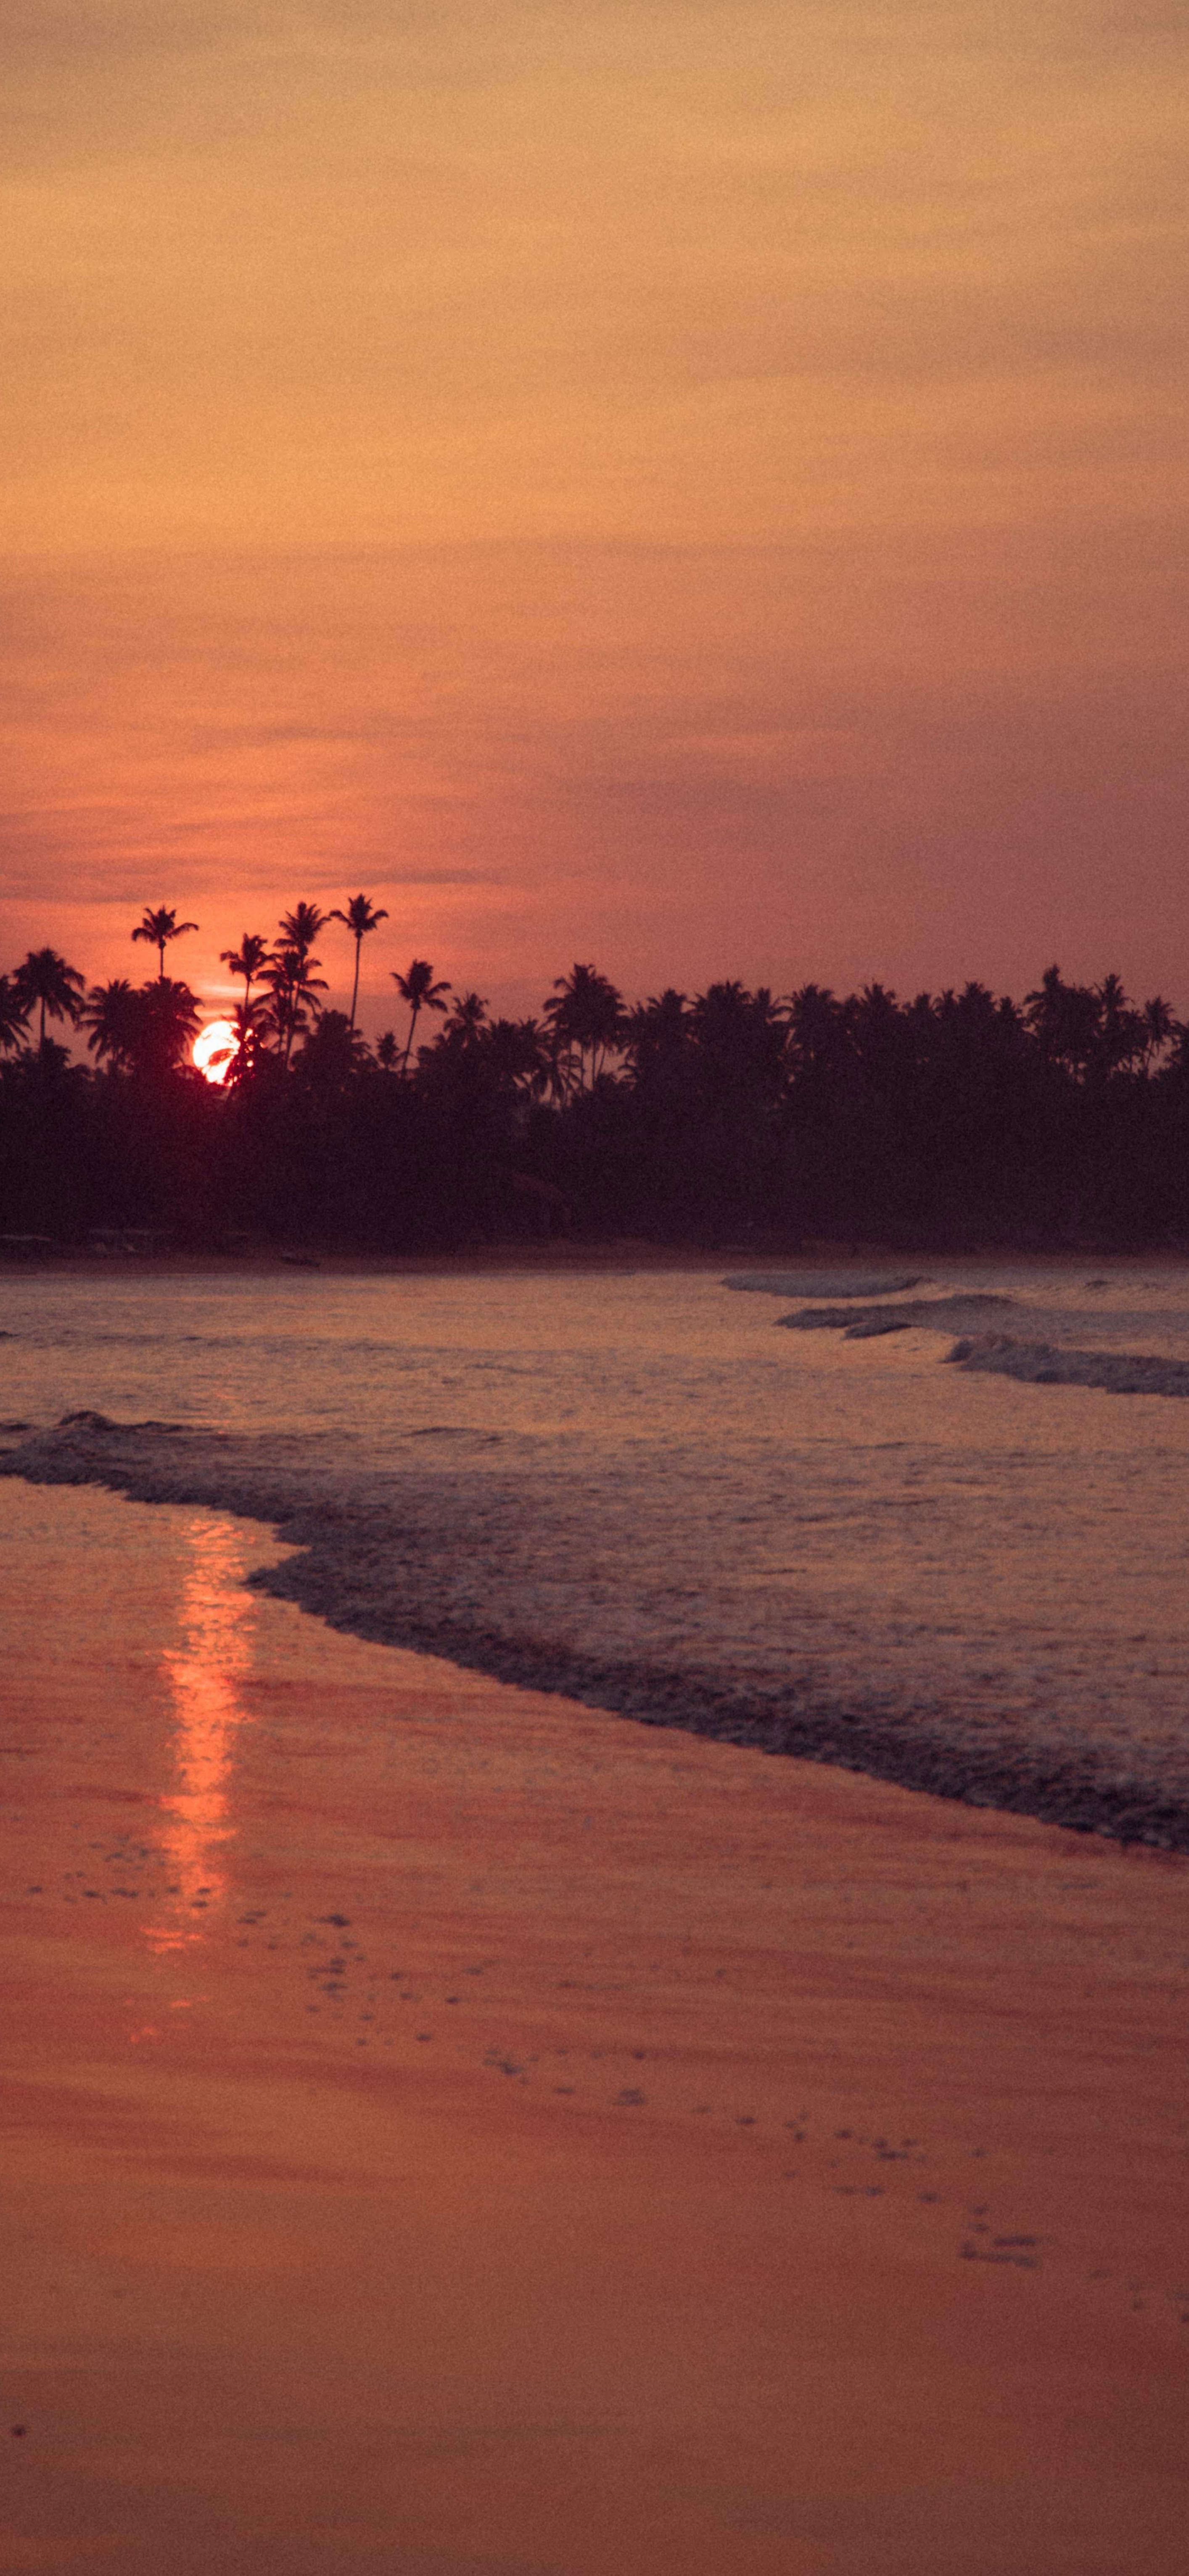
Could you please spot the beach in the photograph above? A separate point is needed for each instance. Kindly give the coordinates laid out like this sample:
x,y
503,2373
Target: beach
x,y
455,2129
478,2098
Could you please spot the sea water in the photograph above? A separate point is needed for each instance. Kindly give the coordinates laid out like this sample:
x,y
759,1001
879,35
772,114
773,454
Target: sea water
x,y
640,1487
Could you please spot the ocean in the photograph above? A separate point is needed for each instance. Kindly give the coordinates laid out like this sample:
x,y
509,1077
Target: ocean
x,y
788,1517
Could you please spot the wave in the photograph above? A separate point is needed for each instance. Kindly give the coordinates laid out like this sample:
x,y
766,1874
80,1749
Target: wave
x,y
638,1595
928,1314
1048,1364
795,1283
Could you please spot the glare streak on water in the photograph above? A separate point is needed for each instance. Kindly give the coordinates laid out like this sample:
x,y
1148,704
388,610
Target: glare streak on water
x,y
645,1460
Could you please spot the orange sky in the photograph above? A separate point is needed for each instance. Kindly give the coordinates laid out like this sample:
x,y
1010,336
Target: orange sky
x,y
696,487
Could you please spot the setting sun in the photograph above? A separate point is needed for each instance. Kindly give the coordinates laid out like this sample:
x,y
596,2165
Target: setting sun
x,y
215,1050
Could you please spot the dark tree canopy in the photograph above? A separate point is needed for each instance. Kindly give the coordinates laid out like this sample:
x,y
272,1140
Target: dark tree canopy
x,y
957,1119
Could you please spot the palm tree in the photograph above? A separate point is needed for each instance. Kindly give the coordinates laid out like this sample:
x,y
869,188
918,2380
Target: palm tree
x,y
158,928
1160,1027
657,1036
1065,1019
248,960
332,1053
468,1012
513,1057
169,1019
113,1016
300,928
295,988
249,1020
14,1013
46,980
359,918
586,1018
419,990
290,975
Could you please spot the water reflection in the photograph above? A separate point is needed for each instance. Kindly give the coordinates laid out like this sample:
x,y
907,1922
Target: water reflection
x,y
204,1675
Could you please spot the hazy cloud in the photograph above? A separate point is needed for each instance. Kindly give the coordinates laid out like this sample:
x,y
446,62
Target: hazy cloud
x,y
599,450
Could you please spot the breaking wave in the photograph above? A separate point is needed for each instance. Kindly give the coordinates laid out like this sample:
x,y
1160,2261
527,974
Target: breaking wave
x,y
1054,1364
862,1323
658,1596
796,1283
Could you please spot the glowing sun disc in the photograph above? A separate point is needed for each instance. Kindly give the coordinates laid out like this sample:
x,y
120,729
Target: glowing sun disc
x,y
215,1050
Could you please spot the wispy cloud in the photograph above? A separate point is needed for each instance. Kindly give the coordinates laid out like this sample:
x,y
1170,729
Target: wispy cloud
x,y
568,458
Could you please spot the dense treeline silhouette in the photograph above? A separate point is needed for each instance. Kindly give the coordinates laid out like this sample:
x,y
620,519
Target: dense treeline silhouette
x,y
953,1119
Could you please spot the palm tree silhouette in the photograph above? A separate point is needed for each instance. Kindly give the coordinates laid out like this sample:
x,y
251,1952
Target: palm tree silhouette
x,y
1160,1027
358,918
46,980
248,960
290,973
112,1018
14,1013
332,1053
586,1019
295,988
419,990
250,1021
158,928
300,928
169,1019
468,1011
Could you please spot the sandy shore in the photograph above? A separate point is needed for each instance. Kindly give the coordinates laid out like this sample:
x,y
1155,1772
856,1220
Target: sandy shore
x,y
456,2132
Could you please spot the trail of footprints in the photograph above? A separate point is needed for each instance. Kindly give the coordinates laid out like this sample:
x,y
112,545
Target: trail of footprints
x,y
344,1987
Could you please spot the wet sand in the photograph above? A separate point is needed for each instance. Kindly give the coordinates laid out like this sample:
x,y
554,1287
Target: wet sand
x,y
454,2131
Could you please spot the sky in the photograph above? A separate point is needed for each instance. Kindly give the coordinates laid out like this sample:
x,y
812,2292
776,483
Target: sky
x,y
697,488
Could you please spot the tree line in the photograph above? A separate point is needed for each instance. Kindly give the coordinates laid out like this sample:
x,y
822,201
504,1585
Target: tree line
x,y
732,1115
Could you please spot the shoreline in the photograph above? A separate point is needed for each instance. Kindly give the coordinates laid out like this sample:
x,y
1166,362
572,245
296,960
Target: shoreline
x,y
374,1569
616,1254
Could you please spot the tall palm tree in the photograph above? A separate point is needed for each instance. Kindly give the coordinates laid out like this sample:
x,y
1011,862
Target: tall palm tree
x,y
300,928
47,982
419,990
14,1013
158,928
1160,1027
359,918
513,1057
332,1053
586,1018
248,960
250,1020
113,1018
294,988
468,1011
170,1024
657,1039
290,975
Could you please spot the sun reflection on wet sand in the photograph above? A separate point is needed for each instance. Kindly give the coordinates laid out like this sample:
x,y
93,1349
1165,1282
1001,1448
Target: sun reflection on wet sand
x,y
204,1675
